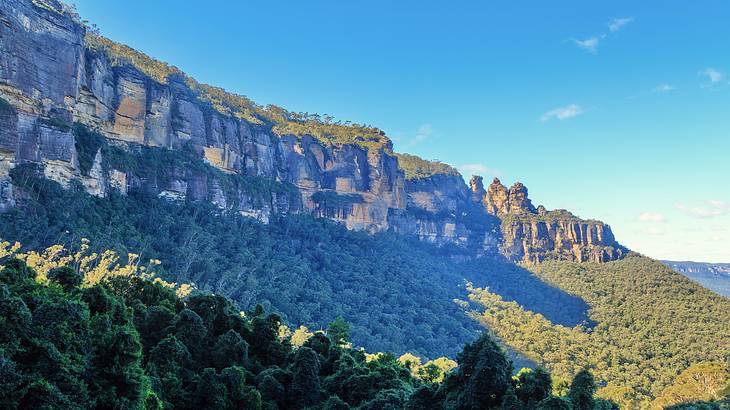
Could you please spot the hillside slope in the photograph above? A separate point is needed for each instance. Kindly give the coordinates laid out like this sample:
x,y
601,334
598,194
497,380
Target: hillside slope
x,y
650,324
397,292
315,219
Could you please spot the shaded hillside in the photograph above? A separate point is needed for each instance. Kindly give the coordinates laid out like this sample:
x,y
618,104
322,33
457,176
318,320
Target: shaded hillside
x,y
84,335
397,292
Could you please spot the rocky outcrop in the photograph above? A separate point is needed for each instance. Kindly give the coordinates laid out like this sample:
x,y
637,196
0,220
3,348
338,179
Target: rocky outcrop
x,y
440,209
533,234
85,115
53,79
498,200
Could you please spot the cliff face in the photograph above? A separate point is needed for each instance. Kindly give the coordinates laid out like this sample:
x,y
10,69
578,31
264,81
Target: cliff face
x,y
534,234
85,116
52,78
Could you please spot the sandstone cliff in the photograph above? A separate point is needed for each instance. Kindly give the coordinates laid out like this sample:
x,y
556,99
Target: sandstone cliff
x,y
94,112
533,234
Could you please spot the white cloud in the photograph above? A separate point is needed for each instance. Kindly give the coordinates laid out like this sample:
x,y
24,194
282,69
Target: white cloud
x,y
589,44
713,76
713,209
617,24
652,217
563,113
477,169
664,88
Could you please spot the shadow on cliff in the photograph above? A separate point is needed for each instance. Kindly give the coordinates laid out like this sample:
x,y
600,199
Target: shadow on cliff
x,y
515,283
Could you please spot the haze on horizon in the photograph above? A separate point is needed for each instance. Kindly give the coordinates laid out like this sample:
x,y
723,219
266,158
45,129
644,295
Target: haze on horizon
x,y
616,111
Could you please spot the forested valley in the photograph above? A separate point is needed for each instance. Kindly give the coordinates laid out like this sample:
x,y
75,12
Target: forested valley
x,y
405,302
80,331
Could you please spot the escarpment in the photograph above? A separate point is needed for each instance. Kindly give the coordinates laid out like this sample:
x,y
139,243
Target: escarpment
x,y
533,234
84,110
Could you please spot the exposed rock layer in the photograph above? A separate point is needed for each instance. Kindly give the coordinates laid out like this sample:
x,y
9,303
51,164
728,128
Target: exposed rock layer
x,y
51,79
533,234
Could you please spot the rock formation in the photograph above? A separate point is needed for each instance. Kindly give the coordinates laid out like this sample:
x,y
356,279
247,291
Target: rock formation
x,y
533,234
60,87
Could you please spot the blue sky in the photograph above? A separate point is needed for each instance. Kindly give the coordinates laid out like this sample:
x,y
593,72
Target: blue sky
x,y
618,111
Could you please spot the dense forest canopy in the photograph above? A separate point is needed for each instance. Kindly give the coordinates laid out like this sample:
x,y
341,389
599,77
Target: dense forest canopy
x,y
181,304
80,333
651,324
308,270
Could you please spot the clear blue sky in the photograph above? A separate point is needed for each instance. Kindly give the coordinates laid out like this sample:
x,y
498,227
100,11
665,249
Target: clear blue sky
x,y
618,110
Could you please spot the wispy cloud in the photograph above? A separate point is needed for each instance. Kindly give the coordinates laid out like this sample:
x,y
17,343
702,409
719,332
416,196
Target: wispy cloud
x,y
664,88
652,217
617,24
478,169
423,133
589,44
712,75
563,113
711,209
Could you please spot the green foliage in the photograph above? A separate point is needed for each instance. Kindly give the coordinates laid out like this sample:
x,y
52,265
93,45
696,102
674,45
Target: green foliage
x,y
57,123
305,381
230,349
698,405
555,403
66,277
699,382
418,168
120,55
88,143
5,107
482,378
102,346
332,199
650,325
582,390
533,386
339,330
309,270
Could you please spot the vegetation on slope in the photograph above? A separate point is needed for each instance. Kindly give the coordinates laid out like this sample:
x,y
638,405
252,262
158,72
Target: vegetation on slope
x,y
417,167
398,293
161,166
552,216
82,335
651,324
281,121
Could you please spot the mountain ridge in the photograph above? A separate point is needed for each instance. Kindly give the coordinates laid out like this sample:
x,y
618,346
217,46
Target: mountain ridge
x,y
77,87
714,276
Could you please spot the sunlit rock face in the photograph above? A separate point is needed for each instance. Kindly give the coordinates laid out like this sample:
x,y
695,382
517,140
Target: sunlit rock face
x,y
51,78
534,234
